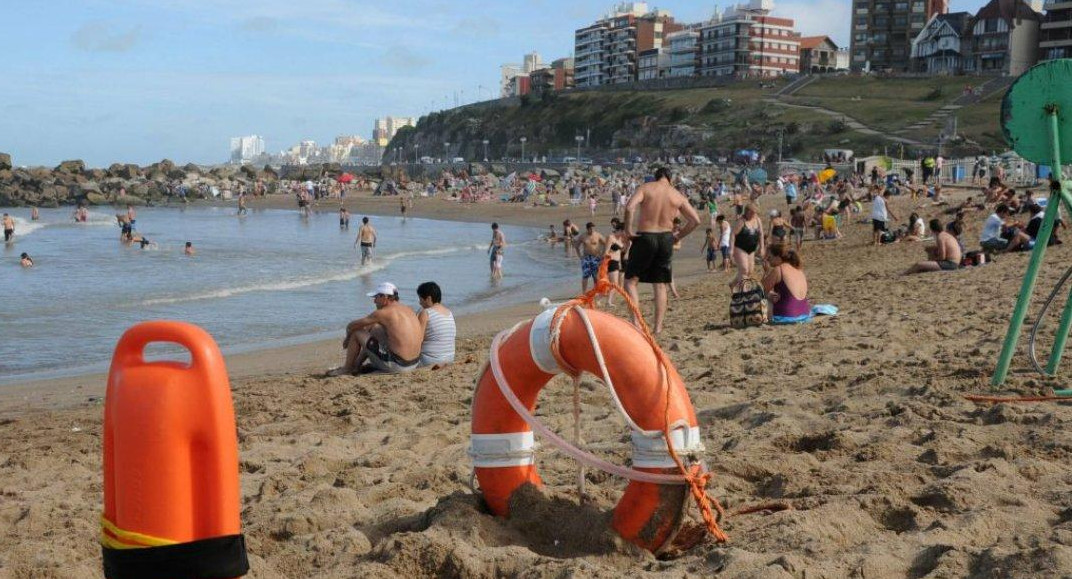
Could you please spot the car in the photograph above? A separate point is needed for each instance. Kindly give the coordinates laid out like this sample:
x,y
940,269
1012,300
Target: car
x,y
457,160
427,160
569,159
700,160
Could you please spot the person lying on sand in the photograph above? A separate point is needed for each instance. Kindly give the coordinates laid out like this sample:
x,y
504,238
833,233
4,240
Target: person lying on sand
x,y
945,255
388,339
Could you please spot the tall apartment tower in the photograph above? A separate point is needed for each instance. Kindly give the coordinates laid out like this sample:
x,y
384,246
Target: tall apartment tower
x,y
1055,36
607,52
746,41
882,31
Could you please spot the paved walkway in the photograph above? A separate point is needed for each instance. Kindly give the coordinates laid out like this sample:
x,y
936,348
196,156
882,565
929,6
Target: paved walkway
x,y
849,121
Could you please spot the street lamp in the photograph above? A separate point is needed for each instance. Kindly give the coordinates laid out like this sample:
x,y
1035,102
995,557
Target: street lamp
x,y
579,140
415,147
446,152
485,150
523,140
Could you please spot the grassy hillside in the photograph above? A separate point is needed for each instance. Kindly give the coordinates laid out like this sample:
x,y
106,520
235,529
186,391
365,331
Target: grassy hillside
x,y
716,121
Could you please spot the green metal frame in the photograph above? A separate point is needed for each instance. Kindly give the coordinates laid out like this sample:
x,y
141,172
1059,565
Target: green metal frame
x,y
1021,127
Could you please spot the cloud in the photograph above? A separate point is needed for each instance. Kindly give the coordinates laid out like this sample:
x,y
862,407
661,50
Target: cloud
x,y
102,37
404,59
259,24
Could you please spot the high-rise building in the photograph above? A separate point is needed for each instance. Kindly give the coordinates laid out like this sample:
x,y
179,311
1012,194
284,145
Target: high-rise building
x,y
246,149
558,76
508,86
684,51
1055,36
386,128
746,41
883,31
608,51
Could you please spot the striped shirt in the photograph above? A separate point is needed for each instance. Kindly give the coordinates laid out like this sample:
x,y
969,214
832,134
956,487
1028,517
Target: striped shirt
x,y
439,335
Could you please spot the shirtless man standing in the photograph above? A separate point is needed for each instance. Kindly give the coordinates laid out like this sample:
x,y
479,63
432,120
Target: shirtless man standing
x,y
495,250
389,339
591,246
945,255
652,242
366,236
9,227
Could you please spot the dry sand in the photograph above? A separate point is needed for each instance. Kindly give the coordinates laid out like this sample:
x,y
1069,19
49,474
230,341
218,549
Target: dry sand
x,y
857,422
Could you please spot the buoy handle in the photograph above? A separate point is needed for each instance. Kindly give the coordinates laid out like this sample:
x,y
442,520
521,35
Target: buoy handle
x,y
204,354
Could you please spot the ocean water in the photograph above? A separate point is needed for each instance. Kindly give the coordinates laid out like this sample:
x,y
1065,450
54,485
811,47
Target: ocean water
x,y
267,279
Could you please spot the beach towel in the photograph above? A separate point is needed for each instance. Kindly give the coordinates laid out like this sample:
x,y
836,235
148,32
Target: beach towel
x,y
817,310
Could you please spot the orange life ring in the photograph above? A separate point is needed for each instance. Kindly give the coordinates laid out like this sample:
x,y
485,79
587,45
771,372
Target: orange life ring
x,y
171,489
502,442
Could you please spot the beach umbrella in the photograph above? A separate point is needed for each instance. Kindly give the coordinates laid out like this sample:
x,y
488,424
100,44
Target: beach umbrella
x,y
826,175
345,178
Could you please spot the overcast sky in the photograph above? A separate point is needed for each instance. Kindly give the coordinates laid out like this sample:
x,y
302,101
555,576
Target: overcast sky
x,y
140,80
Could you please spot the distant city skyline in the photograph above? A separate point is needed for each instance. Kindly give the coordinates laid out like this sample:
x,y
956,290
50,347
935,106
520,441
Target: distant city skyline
x,y
140,80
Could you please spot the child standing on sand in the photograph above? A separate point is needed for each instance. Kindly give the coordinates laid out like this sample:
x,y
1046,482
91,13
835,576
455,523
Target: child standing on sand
x,y
710,248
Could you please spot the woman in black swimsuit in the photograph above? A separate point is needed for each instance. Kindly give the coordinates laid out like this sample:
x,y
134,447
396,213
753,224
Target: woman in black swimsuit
x,y
779,228
746,240
615,245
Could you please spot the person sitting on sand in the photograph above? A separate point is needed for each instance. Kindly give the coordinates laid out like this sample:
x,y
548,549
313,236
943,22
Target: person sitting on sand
x,y
785,283
1035,224
945,255
25,260
388,339
437,322
1001,236
916,229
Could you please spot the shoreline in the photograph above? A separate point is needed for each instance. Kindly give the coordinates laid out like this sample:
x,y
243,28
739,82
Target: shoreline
x,y
317,355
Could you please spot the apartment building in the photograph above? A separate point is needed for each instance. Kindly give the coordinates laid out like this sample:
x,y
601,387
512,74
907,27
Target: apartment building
x,y
684,47
1055,31
385,129
608,51
883,30
653,64
746,41
508,83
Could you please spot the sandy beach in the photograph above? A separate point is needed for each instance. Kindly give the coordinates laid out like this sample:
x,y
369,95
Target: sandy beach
x,y
857,423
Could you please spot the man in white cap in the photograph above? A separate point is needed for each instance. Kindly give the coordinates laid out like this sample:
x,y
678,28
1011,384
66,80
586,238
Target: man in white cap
x,y
389,339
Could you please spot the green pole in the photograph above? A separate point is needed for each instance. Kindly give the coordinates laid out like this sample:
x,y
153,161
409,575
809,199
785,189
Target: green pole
x,y
1028,287
1059,195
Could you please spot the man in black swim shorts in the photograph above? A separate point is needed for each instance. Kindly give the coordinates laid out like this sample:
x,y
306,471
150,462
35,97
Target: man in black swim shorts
x,y
651,250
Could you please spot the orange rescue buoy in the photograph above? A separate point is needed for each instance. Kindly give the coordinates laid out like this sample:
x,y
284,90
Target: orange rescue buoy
x,y
526,359
171,493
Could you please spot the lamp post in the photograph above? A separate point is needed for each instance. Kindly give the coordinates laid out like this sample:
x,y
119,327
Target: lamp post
x,y
446,152
485,150
523,140
579,140
415,147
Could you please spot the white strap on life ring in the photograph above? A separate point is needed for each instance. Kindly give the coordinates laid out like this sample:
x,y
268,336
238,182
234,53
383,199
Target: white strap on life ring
x,y
503,450
652,452
540,343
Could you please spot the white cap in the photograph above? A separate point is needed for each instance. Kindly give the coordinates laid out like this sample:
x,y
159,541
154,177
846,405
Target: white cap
x,y
386,288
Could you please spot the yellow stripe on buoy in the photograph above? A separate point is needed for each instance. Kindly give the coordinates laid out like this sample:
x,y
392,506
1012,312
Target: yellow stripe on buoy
x,y
128,539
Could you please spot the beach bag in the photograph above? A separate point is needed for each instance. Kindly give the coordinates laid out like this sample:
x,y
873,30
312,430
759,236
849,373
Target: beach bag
x,y
748,305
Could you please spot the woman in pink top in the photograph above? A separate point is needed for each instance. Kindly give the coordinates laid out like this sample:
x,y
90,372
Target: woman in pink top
x,y
785,283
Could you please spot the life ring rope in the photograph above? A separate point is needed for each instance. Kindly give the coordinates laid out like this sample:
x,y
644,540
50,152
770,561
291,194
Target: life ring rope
x,y
695,476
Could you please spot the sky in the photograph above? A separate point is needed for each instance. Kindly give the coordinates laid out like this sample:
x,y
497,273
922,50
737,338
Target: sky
x,y
141,80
